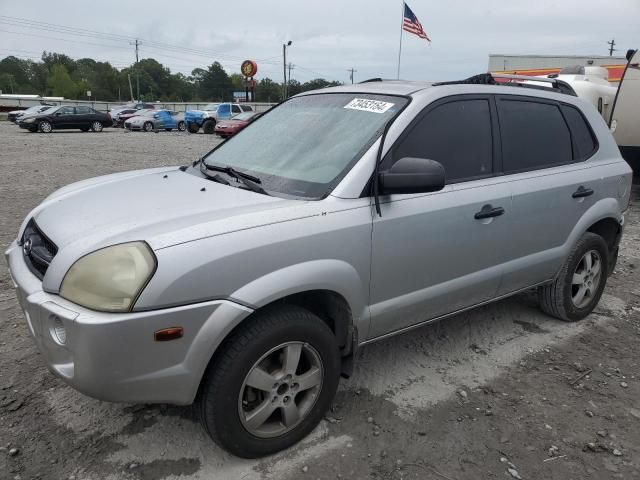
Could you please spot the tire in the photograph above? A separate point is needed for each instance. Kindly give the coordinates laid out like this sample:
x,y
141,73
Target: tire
x,y
209,126
45,127
182,126
193,128
224,394
577,288
97,126
147,127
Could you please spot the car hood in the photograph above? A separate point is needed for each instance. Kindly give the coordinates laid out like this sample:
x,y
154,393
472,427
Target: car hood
x,y
162,206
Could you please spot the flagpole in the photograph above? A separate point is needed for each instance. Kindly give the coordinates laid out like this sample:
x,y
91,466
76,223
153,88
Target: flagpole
x,y
400,49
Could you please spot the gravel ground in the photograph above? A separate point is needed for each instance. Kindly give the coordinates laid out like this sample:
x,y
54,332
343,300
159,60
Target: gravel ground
x,y
499,392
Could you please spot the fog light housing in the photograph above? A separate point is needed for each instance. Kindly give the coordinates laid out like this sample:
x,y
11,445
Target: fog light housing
x,y
58,330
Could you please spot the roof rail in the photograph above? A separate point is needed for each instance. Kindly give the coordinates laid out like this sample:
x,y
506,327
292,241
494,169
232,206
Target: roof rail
x,y
515,81
561,86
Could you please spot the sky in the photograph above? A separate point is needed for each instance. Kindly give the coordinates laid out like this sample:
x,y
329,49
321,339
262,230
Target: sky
x,y
328,37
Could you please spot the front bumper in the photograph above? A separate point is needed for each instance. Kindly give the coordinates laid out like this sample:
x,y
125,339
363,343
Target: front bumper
x,y
113,356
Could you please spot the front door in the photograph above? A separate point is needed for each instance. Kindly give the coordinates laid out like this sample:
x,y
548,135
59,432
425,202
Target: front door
x,y
440,252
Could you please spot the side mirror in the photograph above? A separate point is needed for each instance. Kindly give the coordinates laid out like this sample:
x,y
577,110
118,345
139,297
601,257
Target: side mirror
x,y
412,175
156,115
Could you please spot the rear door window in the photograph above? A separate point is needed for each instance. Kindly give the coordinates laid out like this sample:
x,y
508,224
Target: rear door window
x,y
534,135
584,143
457,134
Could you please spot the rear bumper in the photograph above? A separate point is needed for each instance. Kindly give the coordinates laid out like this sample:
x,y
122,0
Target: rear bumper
x,y
114,357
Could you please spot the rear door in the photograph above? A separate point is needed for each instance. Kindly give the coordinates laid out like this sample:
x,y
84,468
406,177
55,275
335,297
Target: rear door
x,y
84,116
439,252
544,147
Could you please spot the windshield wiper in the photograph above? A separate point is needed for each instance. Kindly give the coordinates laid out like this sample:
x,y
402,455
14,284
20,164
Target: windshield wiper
x,y
251,182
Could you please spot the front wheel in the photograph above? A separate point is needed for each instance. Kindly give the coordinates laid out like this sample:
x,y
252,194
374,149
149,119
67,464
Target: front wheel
x,y
148,126
576,290
271,382
209,127
181,126
193,128
97,126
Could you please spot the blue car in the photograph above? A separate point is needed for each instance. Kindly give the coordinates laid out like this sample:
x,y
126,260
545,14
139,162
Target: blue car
x,y
212,114
152,120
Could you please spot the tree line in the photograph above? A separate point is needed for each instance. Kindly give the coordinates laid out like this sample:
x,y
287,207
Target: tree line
x,y
58,75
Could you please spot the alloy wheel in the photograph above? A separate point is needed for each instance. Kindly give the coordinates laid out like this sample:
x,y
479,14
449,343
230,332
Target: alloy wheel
x,y
280,390
96,126
45,127
148,127
586,279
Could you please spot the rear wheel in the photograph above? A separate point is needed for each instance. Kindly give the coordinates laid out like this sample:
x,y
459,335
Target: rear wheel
x,y
578,287
45,126
181,126
148,126
193,128
209,127
97,126
271,382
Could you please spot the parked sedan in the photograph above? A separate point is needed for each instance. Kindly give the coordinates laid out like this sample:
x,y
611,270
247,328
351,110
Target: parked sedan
x,y
15,115
67,117
230,127
122,117
152,120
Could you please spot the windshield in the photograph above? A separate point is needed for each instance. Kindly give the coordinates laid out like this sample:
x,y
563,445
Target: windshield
x,y
243,116
306,145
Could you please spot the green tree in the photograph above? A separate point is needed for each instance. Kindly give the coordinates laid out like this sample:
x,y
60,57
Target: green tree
x,y
216,85
60,83
268,91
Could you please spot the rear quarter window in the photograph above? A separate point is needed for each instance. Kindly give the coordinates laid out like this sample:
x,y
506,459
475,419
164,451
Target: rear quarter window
x,y
584,141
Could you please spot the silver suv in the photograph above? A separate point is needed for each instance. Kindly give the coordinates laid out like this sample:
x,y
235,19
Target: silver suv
x,y
246,281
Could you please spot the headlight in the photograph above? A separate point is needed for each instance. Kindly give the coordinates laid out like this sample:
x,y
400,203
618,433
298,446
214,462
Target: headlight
x,y
29,120
110,279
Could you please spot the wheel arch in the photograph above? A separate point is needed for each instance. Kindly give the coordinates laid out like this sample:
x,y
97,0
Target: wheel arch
x,y
604,218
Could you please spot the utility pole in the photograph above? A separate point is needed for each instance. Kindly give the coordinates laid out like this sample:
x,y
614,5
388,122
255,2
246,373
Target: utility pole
x,y
284,68
351,72
291,67
137,43
612,44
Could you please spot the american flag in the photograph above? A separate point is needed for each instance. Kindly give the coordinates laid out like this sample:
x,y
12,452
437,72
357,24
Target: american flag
x,y
411,24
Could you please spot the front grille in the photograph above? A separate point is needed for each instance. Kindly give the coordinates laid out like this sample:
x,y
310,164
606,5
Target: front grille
x,y
38,250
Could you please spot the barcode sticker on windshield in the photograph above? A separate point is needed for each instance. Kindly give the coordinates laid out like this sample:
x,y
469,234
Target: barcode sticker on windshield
x,y
367,105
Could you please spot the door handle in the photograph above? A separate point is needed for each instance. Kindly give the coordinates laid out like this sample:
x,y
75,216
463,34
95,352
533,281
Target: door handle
x,y
582,192
488,211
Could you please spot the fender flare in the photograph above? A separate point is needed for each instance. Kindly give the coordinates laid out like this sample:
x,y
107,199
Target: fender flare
x,y
327,274
602,209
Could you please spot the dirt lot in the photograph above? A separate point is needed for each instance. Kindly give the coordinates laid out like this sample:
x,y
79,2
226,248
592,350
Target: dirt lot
x,y
500,392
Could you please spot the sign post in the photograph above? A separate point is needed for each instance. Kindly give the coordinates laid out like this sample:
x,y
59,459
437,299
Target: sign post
x,y
249,68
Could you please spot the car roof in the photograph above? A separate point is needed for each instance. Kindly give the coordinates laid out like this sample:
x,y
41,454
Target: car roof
x,y
482,83
379,86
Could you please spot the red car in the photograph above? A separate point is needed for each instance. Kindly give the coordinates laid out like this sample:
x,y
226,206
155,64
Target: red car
x,y
227,128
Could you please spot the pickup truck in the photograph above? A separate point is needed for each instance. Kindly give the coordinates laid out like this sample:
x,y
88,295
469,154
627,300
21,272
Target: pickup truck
x,y
211,114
